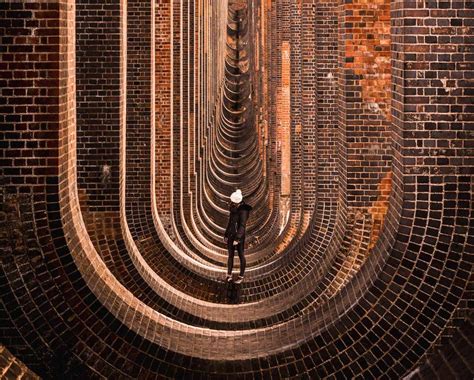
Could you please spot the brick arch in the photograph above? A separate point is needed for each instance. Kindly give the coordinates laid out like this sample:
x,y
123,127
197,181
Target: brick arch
x,y
399,304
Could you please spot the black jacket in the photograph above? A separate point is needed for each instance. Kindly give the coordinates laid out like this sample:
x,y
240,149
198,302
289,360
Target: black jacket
x,y
237,219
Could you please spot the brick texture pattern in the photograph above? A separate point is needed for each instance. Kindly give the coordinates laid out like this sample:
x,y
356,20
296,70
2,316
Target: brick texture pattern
x,y
124,125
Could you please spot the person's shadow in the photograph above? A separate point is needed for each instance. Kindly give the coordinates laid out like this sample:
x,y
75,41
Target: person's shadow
x,y
233,292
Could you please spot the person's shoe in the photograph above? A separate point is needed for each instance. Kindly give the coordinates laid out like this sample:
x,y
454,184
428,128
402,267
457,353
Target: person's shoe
x,y
228,278
239,280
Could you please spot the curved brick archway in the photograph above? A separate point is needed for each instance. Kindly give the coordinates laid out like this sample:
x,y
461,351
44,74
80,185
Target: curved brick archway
x,y
127,123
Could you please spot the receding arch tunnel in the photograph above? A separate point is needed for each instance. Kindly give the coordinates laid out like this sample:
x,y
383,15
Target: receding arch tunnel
x,y
126,125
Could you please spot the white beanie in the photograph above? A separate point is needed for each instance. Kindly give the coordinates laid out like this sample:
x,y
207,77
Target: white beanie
x,y
236,196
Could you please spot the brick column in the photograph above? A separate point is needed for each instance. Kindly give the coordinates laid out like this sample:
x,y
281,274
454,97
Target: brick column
x,y
365,27
308,104
163,105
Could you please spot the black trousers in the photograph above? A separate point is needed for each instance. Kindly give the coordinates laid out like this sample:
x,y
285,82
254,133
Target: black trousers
x,y
231,251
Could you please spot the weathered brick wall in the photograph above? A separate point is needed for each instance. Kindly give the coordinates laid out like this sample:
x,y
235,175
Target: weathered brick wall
x,y
98,102
308,105
366,70
139,105
163,105
329,134
35,67
335,302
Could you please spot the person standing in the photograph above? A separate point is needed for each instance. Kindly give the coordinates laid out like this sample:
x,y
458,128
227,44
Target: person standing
x,y
234,235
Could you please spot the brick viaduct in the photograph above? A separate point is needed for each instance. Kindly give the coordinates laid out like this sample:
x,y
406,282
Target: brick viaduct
x,y
126,124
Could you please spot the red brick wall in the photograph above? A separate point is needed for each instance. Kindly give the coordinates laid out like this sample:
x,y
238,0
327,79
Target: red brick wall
x,y
366,29
409,297
98,102
163,104
139,107
28,91
309,104
329,151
